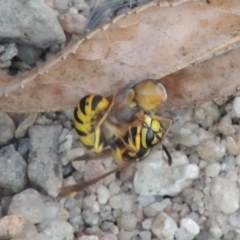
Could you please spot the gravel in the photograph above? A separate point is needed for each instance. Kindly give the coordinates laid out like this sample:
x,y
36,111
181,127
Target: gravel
x,y
197,197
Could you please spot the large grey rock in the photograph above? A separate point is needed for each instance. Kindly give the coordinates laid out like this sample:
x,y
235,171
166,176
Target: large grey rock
x,y
44,169
13,170
155,177
28,204
29,21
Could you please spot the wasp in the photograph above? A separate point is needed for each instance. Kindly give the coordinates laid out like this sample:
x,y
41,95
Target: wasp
x,y
125,121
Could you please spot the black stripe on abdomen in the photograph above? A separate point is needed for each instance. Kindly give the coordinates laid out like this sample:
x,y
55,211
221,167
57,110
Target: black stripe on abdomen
x,y
95,101
75,115
83,104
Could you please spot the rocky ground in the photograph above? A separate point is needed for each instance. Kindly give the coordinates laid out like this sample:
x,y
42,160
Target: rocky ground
x,y
195,198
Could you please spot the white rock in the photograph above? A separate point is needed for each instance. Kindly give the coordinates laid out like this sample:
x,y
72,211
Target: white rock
x,y
157,207
211,150
128,221
229,164
114,229
62,4
234,219
116,202
202,134
212,170
215,230
206,114
51,210
114,188
65,141
147,223
238,159
155,177
106,213
89,237
225,126
57,229
189,140
190,226
77,220
182,234
127,203
225,195
90,218
146,200
89,201
233,144
10,52
236,106
103,195
127,235
145,235
73,23
164,227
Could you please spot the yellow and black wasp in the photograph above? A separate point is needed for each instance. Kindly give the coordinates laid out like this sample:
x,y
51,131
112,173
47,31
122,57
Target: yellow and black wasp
x,y
126,122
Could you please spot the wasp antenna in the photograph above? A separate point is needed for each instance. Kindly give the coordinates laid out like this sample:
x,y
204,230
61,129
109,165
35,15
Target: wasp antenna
x,y
168,154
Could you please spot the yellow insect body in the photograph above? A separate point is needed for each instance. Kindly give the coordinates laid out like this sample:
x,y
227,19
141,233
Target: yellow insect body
x,y
86,117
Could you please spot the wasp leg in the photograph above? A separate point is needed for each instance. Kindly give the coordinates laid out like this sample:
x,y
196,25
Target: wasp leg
x,y
91,156
98,127
80,186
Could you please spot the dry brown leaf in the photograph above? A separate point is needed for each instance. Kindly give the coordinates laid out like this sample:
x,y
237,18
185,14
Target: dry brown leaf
x,y
153,43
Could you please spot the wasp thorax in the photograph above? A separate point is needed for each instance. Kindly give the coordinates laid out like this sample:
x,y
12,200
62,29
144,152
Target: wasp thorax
x,y
150,94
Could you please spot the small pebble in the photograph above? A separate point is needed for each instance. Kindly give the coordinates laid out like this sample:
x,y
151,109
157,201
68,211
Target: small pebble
x,y
103,194
10,52
164,227
190,226
90,218
210,150
128,221
229,201
225,126
114,188
25,124
73,23
13,170
147,223
233,144
89,201
116,202
213,170
145,235
157,207
57,229
236,106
